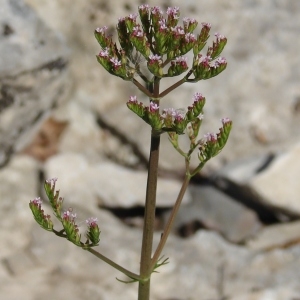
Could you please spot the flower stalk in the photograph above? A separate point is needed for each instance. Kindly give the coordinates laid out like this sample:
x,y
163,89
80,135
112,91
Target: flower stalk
x,y
161,42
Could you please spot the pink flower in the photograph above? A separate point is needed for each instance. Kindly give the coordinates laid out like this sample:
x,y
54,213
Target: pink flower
x,y
187,21
181,60
132,17
104,53
154,58
225,121
37,201
173,12
153,107
136,31
219,36
101,29
69,216
92,222
156,10
162,24
133,99
178,30
175,114
198,96
204,60
210,137
207,25
51,180
115,62
190,37
144,7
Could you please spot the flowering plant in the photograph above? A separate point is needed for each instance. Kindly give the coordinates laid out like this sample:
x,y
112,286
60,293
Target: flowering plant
x,y
162,43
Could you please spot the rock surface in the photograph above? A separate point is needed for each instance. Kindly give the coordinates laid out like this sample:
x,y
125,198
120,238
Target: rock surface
x,y
33,75
278,186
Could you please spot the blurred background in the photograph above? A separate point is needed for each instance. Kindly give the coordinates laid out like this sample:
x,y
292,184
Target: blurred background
x,y
237,235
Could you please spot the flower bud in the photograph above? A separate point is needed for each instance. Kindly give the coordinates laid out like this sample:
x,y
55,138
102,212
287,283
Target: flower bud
x,y
144,10
194,129
152,116
53,196
176,39
139,40
189,24
202,38
173,16
154,65
202,67
187,43
217,47
93,232
102,38
199,102
124,37
70,227
178,66
137,108
130,22
156,15
38,213
224,132
180,124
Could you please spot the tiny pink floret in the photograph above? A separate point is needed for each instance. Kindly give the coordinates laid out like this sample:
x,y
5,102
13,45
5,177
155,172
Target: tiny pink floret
x,y
92,222
154,107
198,96
225,121
210,137
101,29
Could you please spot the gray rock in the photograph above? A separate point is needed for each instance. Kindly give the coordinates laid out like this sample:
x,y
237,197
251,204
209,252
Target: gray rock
x,y
278,186
241,171
32,74
276,236
18,186
216,211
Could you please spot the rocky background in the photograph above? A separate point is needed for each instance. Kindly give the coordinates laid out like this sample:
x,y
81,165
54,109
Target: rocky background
x,y
237,235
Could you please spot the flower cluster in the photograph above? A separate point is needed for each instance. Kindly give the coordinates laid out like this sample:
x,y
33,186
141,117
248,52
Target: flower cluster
x,y
67,218
213,143
161,40
170,119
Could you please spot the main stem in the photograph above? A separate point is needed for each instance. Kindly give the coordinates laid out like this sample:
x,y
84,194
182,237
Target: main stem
x,y
150,206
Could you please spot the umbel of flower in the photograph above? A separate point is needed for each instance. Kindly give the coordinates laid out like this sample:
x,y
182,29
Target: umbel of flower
x,y
161,40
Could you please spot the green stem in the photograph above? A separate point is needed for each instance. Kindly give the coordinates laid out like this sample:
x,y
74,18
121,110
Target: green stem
x,y
113,264
170,222
149,216
102,257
